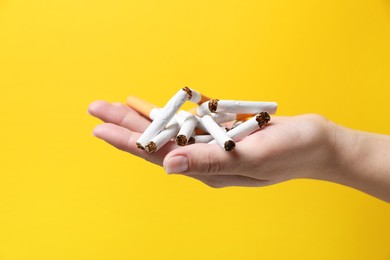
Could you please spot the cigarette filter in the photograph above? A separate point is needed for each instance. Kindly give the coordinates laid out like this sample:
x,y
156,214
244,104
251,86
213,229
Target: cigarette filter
x,y
162,138
236,107
218,134
163,118
143,107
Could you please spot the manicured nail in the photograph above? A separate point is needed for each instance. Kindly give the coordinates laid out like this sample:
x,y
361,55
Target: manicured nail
x,y
177,164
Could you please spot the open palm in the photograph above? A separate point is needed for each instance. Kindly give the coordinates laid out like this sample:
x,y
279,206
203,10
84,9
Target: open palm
x,y
289,147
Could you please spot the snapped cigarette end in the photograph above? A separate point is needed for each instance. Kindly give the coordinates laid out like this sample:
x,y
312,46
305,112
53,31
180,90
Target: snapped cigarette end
x,y
191,140
195,96
181,140
263,118
151,147
213,105
140,146
188,91
229,145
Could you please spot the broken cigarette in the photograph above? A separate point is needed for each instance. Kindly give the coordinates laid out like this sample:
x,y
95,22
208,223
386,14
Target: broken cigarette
x,y
163,118
187,122
236,107
143,107
195,96
218,134
222,117
163,137
200,139
248,127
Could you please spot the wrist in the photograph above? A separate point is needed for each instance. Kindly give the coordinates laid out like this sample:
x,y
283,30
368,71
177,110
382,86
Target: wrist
x,y
360,160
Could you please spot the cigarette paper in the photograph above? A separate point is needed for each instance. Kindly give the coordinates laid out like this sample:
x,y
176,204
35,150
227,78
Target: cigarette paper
x,y
220,118
143,107
201,138
186,127
248,127
163,118
162,138
237,123
218,134
200,125
236,107
195,96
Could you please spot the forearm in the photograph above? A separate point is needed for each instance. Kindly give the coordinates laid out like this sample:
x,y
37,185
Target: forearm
x,y
362,161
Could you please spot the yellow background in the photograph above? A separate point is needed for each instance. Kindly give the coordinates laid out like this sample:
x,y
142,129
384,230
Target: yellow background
x,y
67,195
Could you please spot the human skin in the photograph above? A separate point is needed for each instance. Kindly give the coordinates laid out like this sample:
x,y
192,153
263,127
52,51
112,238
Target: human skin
x,y
304,146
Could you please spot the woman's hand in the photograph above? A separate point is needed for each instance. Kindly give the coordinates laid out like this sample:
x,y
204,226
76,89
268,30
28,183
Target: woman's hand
x,y
288,148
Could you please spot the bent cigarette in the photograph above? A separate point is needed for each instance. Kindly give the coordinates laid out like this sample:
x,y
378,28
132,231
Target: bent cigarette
x,y
163,118
162,138
143,107
218,134
236,107
195,96
186,127
248,127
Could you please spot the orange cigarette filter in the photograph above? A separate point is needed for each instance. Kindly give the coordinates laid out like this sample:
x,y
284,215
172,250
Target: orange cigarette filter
x,y
141,106
244,117
195,96
192,110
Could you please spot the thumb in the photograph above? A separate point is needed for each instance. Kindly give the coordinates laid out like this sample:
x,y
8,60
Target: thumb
x,y
202,159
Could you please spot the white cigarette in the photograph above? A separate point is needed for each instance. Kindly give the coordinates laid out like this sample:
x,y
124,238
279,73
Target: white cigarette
x,y
186,127
248,127
200,123
162,138
219,135
236,107
163,118
220,118
195,96
237,123
154,113
201,138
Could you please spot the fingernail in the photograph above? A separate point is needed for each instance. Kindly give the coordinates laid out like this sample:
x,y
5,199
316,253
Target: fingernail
x,y
177,164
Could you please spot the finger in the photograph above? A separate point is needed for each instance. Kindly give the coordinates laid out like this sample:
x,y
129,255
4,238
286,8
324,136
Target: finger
x,y
118,114
207,159
125,139
222,181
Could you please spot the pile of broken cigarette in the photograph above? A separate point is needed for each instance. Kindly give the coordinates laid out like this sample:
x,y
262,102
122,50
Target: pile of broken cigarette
x,y
204,124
